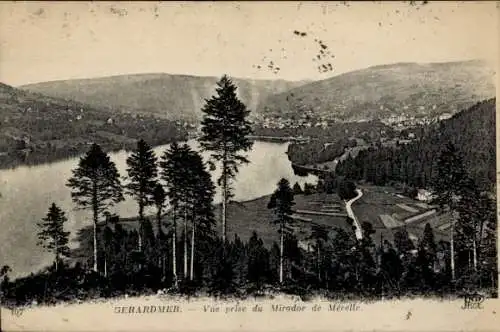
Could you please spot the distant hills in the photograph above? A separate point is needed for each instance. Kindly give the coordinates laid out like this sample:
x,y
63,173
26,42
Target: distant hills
x,y
170,96
380,91
371,93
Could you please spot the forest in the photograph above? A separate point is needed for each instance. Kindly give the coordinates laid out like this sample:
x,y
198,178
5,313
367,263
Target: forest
x,y
471,131
328,143
181,249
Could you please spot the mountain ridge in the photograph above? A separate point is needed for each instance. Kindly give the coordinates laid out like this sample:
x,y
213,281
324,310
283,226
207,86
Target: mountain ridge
x,y
178,97
369,93
383,90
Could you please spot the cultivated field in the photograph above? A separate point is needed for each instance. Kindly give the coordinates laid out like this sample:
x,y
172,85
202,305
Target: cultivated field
x,y
388,211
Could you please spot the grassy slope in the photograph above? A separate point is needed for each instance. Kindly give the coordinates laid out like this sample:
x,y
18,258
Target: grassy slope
x,y
172,96
246,217
360,94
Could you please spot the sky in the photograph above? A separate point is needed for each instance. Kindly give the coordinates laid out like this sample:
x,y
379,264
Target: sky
x,y
42,41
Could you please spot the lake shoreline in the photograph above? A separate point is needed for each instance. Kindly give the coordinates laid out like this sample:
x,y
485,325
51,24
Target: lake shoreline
x,y
34,157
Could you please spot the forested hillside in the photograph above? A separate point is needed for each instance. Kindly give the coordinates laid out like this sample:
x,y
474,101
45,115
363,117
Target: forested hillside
x,y
329,143
35,128
471,131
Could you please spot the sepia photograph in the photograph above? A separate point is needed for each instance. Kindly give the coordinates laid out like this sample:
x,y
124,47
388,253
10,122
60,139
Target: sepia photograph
x,y
252,165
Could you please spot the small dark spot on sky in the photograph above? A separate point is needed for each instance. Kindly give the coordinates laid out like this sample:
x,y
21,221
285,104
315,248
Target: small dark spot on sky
x,y
299,33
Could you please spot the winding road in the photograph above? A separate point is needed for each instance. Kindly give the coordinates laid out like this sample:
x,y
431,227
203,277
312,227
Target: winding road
x,y
359,234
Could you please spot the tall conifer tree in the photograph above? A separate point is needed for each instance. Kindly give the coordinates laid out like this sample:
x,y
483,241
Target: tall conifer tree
x,y
282,202
52,236
447,186
142,172
95,185
225,131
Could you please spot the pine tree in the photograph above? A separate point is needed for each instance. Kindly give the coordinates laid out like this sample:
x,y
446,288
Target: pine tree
x,y
319,233
191,191
344,265
365,254
225,131
402,241
297,190
447,185
488,244
52,236
467,225
426,256
282,202
391,267
95,185
159,197
200,195
107,244
258,260
172,175
142,174
428,243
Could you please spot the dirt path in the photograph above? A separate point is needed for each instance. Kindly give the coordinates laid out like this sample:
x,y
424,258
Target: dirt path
x,y
350,213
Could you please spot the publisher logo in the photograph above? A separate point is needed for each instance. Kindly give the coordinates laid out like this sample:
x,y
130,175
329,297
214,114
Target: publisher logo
x,y
473,301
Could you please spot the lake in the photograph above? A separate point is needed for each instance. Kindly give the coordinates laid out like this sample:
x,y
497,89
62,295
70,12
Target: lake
x,y
26,193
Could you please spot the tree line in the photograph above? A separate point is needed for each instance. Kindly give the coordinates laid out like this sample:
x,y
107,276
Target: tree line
x,y
331,261
334,262
472,229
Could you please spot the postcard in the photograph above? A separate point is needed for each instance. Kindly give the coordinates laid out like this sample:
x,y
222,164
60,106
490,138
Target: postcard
x,y
248,166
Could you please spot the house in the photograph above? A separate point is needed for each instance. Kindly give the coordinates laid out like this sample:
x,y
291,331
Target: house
x,y
424,195
444,116
306,245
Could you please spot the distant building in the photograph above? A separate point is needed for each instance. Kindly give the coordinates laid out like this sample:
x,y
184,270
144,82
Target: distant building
x,y
424,195
444,116
306,245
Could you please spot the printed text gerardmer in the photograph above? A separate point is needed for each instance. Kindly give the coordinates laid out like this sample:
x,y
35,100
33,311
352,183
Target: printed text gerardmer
x,y
151,309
